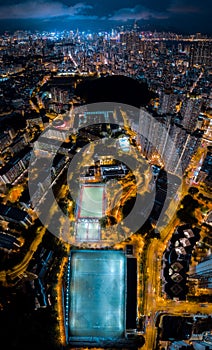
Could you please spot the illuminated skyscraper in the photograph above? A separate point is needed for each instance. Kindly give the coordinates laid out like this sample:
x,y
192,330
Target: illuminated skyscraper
x,y
190,111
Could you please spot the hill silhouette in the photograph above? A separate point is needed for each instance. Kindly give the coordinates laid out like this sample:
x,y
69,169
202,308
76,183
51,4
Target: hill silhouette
x,y
116,88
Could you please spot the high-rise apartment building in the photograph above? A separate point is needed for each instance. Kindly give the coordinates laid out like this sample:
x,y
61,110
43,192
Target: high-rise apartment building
x,y
200,53
190,111
168,102
174,144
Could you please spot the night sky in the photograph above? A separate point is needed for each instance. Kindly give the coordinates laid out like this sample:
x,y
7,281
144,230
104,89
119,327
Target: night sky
x,y
186,16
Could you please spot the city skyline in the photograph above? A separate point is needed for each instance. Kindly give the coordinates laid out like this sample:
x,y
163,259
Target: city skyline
x,y
177,15
105,176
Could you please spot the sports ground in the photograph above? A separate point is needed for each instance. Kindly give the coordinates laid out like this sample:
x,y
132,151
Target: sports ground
x,y
88,230
91,207
91,201
97,294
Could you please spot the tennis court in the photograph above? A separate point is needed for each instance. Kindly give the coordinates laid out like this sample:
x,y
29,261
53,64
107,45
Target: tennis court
x,y
87,230
91,201
97,294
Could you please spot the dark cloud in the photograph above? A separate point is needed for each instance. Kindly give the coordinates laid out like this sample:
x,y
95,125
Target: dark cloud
x,y
183,7
119,10
137,13
43,9
182,14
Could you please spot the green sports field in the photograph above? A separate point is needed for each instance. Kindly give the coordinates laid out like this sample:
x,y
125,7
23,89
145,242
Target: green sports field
x,y
92,201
